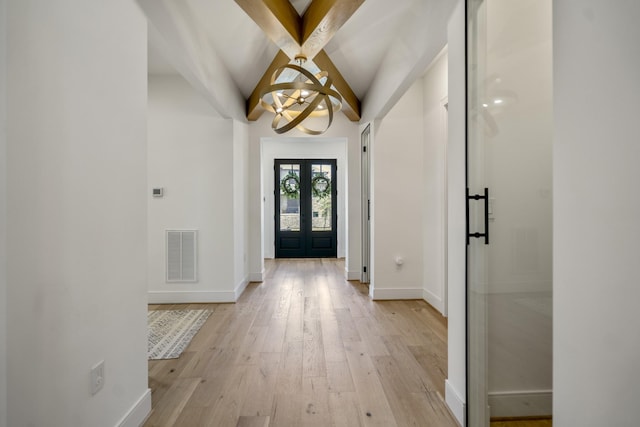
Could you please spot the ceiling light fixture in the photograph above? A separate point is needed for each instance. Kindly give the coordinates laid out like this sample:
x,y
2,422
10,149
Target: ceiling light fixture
x,y
295,94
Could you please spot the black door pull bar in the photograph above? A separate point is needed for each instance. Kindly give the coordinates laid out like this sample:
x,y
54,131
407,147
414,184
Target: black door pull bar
x,y
484,197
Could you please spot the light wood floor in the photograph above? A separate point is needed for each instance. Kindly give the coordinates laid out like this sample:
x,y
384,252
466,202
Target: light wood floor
x,y
523,423
307,348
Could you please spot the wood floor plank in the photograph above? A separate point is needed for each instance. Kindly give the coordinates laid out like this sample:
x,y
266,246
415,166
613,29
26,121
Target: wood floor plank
x,y
347,327
371,396
247,421
208,332
191,416
428,410
315,405
281,310
266,312
294,330
523,423
275,336
412,374
170,407
313,361
289,379
403,322
311,307
251,347
373,342
345,409
433,363
207,392
286,410
306,348
226,409
164,373
331,338
339,377
258,400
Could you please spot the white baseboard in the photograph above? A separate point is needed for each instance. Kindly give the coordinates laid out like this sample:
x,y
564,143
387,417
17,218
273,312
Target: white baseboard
x,y
434,300
256,277
240,287
455,403
383,294
190,297
137,415
352,275
521,403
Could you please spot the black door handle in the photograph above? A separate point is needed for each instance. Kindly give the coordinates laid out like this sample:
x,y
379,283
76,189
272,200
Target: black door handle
x,y
484,197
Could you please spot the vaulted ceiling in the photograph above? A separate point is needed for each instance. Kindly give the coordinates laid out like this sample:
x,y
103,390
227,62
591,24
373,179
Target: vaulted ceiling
x,y
225,47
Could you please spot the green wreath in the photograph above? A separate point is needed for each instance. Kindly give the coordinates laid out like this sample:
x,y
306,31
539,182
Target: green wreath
x,y
322,181
290,185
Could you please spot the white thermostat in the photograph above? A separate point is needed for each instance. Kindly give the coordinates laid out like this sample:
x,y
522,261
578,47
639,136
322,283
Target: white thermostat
x,y
157,192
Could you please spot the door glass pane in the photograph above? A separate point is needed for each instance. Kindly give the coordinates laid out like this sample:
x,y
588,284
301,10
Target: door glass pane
x,y
290,197
321,182
509,293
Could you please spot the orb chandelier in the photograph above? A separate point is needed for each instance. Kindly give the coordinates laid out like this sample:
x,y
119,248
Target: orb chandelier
x,y
296,95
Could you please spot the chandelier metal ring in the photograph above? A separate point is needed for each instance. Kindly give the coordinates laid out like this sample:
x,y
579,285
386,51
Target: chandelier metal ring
x,y
310,92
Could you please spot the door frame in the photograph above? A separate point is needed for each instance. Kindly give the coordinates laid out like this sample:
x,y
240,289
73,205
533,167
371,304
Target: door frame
x,y
365,168
302,148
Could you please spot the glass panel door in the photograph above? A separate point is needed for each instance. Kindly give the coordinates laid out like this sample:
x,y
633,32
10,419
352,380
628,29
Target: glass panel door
x,y
306,211
509,274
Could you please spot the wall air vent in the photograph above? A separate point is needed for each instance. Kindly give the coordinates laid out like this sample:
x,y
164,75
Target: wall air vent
x,y
181,255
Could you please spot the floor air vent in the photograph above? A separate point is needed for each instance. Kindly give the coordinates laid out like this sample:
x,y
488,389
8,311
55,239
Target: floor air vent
x,y
181,255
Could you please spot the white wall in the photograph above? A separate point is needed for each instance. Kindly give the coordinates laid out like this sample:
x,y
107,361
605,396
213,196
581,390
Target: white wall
x,y
240,206
596,378
397,173
3,215
191,155
302,148
76,212
341,128
456,256
434,201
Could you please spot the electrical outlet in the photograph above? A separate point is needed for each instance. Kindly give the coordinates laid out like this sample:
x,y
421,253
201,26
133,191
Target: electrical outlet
x,y
97,377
